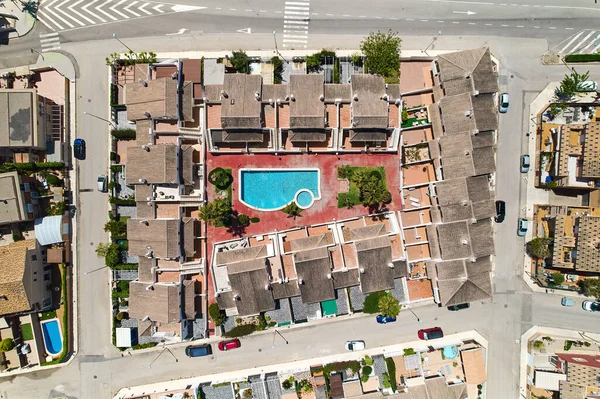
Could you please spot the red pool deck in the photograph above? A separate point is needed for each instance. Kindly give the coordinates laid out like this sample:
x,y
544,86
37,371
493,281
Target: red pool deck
x,y
323,210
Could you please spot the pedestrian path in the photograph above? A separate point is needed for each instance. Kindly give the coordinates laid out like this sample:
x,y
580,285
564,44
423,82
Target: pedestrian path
x,y
61,15
583,42
50,42
296,18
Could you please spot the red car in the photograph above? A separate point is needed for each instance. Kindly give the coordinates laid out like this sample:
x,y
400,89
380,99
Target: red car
x,y
430,333
228,345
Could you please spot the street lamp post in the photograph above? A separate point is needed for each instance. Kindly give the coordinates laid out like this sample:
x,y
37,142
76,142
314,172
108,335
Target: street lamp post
x,y
119,40
37,52
414,314
95,270
430,44
275,333
277,49
102,119
161,352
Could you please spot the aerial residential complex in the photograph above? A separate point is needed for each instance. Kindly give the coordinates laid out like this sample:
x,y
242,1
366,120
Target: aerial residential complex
x,y
430,139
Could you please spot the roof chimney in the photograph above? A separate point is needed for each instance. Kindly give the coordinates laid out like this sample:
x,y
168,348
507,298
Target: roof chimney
x,y
292,97
362,270
144,222
385,97
391,265
236,297
355,97
257,95
146,318
300,281
149,288
464,242
329,276
142,180
224,94
146,148
143,82
322,97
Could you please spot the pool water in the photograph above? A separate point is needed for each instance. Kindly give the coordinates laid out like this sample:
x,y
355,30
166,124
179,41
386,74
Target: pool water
x,y
450,352
273,189
52,337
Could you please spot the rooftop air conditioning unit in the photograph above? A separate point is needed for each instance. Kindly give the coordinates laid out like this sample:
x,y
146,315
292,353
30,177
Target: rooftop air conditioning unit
x,y
257,95
267,287
398,101
473,260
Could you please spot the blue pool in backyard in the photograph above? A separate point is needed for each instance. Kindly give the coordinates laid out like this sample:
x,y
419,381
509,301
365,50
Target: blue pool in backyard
x,y
52,337
273,189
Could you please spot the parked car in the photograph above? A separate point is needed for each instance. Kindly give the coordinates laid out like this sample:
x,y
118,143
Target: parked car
x,y
79,149
500,211
567,302
354,345
588,85
525,163
230,344
198,350
591,306
522,225
430,333
503,103
102,183
460,306
381,319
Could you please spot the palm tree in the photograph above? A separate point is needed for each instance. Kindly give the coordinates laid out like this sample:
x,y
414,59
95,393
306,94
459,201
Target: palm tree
x,y
389,306
215,211
292,210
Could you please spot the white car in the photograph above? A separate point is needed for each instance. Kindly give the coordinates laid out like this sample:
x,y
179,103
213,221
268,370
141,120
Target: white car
x,y
355,345
591,306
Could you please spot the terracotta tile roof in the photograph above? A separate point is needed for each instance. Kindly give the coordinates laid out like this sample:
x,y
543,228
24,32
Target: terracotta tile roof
x,y
160,303
159,98
13,296
474,366
306,109
11,200
370,111
240,108
159,234
471,66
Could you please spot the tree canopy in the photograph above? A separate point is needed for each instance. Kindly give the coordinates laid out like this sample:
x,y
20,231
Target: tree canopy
x,y
215,211
239,61
539,248
7,344
590,287
389,306
382,53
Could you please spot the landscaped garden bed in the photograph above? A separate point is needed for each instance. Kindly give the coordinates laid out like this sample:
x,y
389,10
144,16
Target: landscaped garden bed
x,y
367,186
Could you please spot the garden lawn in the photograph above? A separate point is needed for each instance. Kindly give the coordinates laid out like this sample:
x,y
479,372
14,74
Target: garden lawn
x,y
27,332
353,194
48,315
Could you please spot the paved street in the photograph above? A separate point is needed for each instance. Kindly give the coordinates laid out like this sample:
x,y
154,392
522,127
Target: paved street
x,y
98,370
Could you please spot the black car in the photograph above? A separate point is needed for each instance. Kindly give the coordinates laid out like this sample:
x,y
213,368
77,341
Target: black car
x,y
198,350
500,211
79,149
460,306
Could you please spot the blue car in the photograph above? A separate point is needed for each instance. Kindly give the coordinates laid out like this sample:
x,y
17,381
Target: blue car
x,y
79,149
385,319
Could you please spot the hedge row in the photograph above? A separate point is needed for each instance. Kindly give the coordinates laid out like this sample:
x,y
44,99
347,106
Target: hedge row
x,y
583,58
123,134
31,167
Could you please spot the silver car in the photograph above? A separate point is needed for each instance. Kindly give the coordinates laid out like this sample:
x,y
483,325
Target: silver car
x,y
525,163
503,103
522,226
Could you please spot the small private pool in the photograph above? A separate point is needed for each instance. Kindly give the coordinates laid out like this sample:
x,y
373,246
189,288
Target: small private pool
x,y
273,189
450,352
52,337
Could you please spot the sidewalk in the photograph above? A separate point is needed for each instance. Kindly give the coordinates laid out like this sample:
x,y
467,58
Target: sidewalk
x,y
25,20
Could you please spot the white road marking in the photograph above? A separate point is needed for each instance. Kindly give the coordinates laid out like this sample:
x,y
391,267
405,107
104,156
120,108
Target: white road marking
x,y
295,23
67,15
552,27
295,27
488,24
288,21
113,9
99,8
45,23
295,37
158,8
592,43
583,41
131,5
297,8
180,32
571,42
455,22
142,8
298,3
297,13
85,8
49,9
91,21
568,28
50,42
520,26
463,2
409,19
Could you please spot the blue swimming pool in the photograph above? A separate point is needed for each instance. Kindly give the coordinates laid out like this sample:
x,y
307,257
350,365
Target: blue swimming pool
x,y
52,337
272,189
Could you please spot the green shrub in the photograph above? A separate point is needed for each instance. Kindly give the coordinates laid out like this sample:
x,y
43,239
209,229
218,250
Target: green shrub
x,y
144,346
277,70
568,345
31,167
365,373
254,220
409,351
287,384
122,202
113,255
239,61
56,208
216,315
583,58
240,331
386,381
123,134
371,303
116,168
113,156
587,344
243,220
7,344
54,180
315,62
391,367
220,178
122,315
368,361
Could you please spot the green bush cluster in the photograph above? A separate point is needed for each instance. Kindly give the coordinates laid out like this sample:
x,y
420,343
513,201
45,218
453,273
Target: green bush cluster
x,y
341,366
217,316
391,367
220,178
583,57
371,303
277,69
27,168
240,331
65,319
315,62
123,134
122,202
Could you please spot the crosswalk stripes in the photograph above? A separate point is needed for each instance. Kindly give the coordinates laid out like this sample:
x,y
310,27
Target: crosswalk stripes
x,y
583,42
60,15
50,42
295,23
